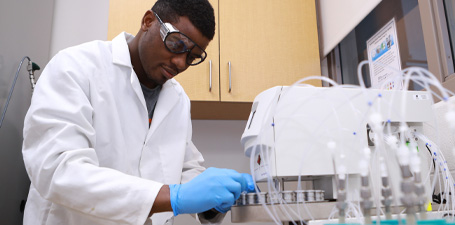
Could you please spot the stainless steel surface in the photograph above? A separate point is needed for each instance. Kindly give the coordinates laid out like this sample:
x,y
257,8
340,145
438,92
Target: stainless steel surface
x,y
256,213
319,211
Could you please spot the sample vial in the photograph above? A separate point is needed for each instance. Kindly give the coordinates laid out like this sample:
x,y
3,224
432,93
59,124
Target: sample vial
x,y
300,196
288,196
251,199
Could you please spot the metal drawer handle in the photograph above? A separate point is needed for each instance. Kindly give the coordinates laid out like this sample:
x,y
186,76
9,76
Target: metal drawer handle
x,y
210,84
230,77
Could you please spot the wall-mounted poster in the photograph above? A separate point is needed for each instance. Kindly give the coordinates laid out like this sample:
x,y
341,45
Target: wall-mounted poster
x,y
384,58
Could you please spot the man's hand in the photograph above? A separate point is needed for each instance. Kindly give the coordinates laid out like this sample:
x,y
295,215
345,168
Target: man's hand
x,y
214,188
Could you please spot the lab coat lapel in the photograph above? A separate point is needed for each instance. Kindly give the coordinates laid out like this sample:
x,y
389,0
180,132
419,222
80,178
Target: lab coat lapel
x,y
121,56
137,89
169,96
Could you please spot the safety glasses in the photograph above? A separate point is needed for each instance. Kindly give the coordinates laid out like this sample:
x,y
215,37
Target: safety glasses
x,y
177,42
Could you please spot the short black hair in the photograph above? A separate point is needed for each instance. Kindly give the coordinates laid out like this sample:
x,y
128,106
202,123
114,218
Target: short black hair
x,y
199,12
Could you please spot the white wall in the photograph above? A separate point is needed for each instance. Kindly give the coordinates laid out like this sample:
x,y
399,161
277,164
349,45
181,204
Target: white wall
x,y
76,22
25,28
219,142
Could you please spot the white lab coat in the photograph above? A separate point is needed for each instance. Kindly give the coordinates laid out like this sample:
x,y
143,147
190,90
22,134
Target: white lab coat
x,y
88,149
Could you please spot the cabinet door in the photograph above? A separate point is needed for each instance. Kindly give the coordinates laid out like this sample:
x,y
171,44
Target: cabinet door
x,y
267,43
127,16
196,79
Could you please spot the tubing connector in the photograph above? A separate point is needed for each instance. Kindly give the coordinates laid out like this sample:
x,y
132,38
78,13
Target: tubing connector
x,y
366,203
408,199
341,202
387,195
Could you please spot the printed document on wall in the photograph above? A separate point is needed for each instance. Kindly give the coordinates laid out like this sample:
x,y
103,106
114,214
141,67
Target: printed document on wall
x,y
384,58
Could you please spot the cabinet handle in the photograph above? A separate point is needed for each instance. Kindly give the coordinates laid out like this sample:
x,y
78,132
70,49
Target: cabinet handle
x,y
210,84
230,77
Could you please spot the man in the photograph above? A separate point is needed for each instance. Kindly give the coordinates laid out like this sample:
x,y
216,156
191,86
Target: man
x,y
107,138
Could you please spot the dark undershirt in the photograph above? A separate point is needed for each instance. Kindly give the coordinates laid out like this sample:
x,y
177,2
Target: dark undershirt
x,y
151,98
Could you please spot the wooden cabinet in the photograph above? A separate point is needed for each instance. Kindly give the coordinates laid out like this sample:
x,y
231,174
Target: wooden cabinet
x,y
266,42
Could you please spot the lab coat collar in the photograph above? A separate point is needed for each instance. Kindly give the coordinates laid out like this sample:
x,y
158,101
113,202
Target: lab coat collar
x,y
169,94
121,56
120,50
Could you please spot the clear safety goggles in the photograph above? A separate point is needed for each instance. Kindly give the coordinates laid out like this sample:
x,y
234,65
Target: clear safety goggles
x,y
177,42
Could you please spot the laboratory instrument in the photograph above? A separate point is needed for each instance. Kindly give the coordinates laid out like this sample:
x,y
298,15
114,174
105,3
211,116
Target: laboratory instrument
x,y
346,154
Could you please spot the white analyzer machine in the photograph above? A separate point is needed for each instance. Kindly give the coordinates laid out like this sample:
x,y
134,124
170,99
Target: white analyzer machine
x,y
323,136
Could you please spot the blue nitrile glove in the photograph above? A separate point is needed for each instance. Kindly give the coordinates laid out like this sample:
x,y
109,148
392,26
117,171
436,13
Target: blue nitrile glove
x,y
249,180
214,188
249,187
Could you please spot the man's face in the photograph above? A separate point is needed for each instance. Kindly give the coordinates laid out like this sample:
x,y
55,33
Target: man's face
x,y
158,62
